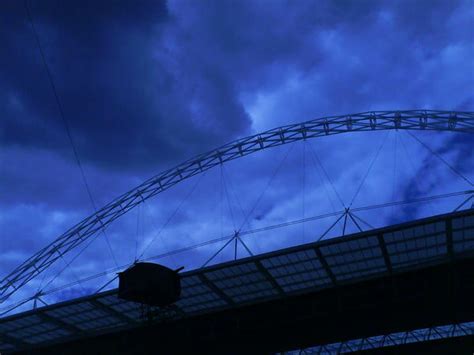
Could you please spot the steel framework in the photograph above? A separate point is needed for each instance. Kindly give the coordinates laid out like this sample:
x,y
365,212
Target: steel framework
x,y
381,281
395,339
360,122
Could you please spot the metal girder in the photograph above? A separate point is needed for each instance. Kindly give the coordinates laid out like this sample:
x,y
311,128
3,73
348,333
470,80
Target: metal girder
x,y
386,257
13,341
216,289
358,122
112,312
269,278
59,323
396,339
449,238
325,266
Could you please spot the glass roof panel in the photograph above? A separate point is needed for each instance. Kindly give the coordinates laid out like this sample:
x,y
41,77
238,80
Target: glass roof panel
x,y
6,346
245,297
313,284
36,329
463,239
20,323
418,335
354,259
64,311
416,245
231,271
49,336
462,222
187,281
260,277
125,306
204,306
189,291
101,323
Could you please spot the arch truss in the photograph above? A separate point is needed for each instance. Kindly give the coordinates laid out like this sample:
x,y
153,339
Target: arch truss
x,y
359,122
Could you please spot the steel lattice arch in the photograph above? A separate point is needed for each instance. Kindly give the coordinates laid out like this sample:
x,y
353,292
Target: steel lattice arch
x,y
428,120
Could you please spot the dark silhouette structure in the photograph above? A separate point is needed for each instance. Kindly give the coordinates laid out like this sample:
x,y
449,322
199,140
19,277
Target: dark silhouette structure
x,y
149,284
426,120
405,277
390,287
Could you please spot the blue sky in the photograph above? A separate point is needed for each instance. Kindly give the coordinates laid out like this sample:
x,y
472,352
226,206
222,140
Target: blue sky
x,y
147,84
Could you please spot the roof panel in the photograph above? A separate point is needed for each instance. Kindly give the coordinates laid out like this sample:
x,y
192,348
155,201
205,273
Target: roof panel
x,y
355,258
20,323
36,329
135,314
416,245
312,284
289,258
232,271
257,278
71,309
100,323
124,306
198,289
463,234
108,300
248,288
204,306
464,246
6,346
260,294
393,339
187,281
462,222
296,271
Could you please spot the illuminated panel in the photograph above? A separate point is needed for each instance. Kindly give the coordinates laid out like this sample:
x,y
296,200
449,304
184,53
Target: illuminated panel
x,y
242,283
354,259
416,245
297,271
463,234
300,269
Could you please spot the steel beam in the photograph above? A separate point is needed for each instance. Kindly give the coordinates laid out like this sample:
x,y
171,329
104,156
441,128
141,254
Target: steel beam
x,y
269,278
112,312
59,323
326,266
386,257
14,341
216,289
359,122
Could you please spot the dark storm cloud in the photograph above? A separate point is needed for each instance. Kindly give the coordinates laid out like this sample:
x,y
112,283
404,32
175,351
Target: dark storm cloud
x,y
125,107
150,83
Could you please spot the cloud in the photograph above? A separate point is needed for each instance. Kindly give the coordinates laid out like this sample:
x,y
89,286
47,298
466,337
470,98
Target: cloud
x,y
126,107
146,85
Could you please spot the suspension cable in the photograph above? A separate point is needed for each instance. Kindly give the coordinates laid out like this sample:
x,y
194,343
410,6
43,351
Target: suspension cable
x,y
65,122
275,172
437,155
369,168
258,230
318,161
394,170
414,170
416,200
190,192
304,188
226,194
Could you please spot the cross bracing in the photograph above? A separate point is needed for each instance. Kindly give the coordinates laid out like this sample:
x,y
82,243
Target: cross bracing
x,y
395,339
359,122
278,275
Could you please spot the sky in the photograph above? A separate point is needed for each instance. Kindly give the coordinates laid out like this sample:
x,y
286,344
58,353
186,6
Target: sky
x,y
145,85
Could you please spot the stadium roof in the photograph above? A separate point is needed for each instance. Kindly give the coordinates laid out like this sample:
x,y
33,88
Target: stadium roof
x,y
391,340
299,270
